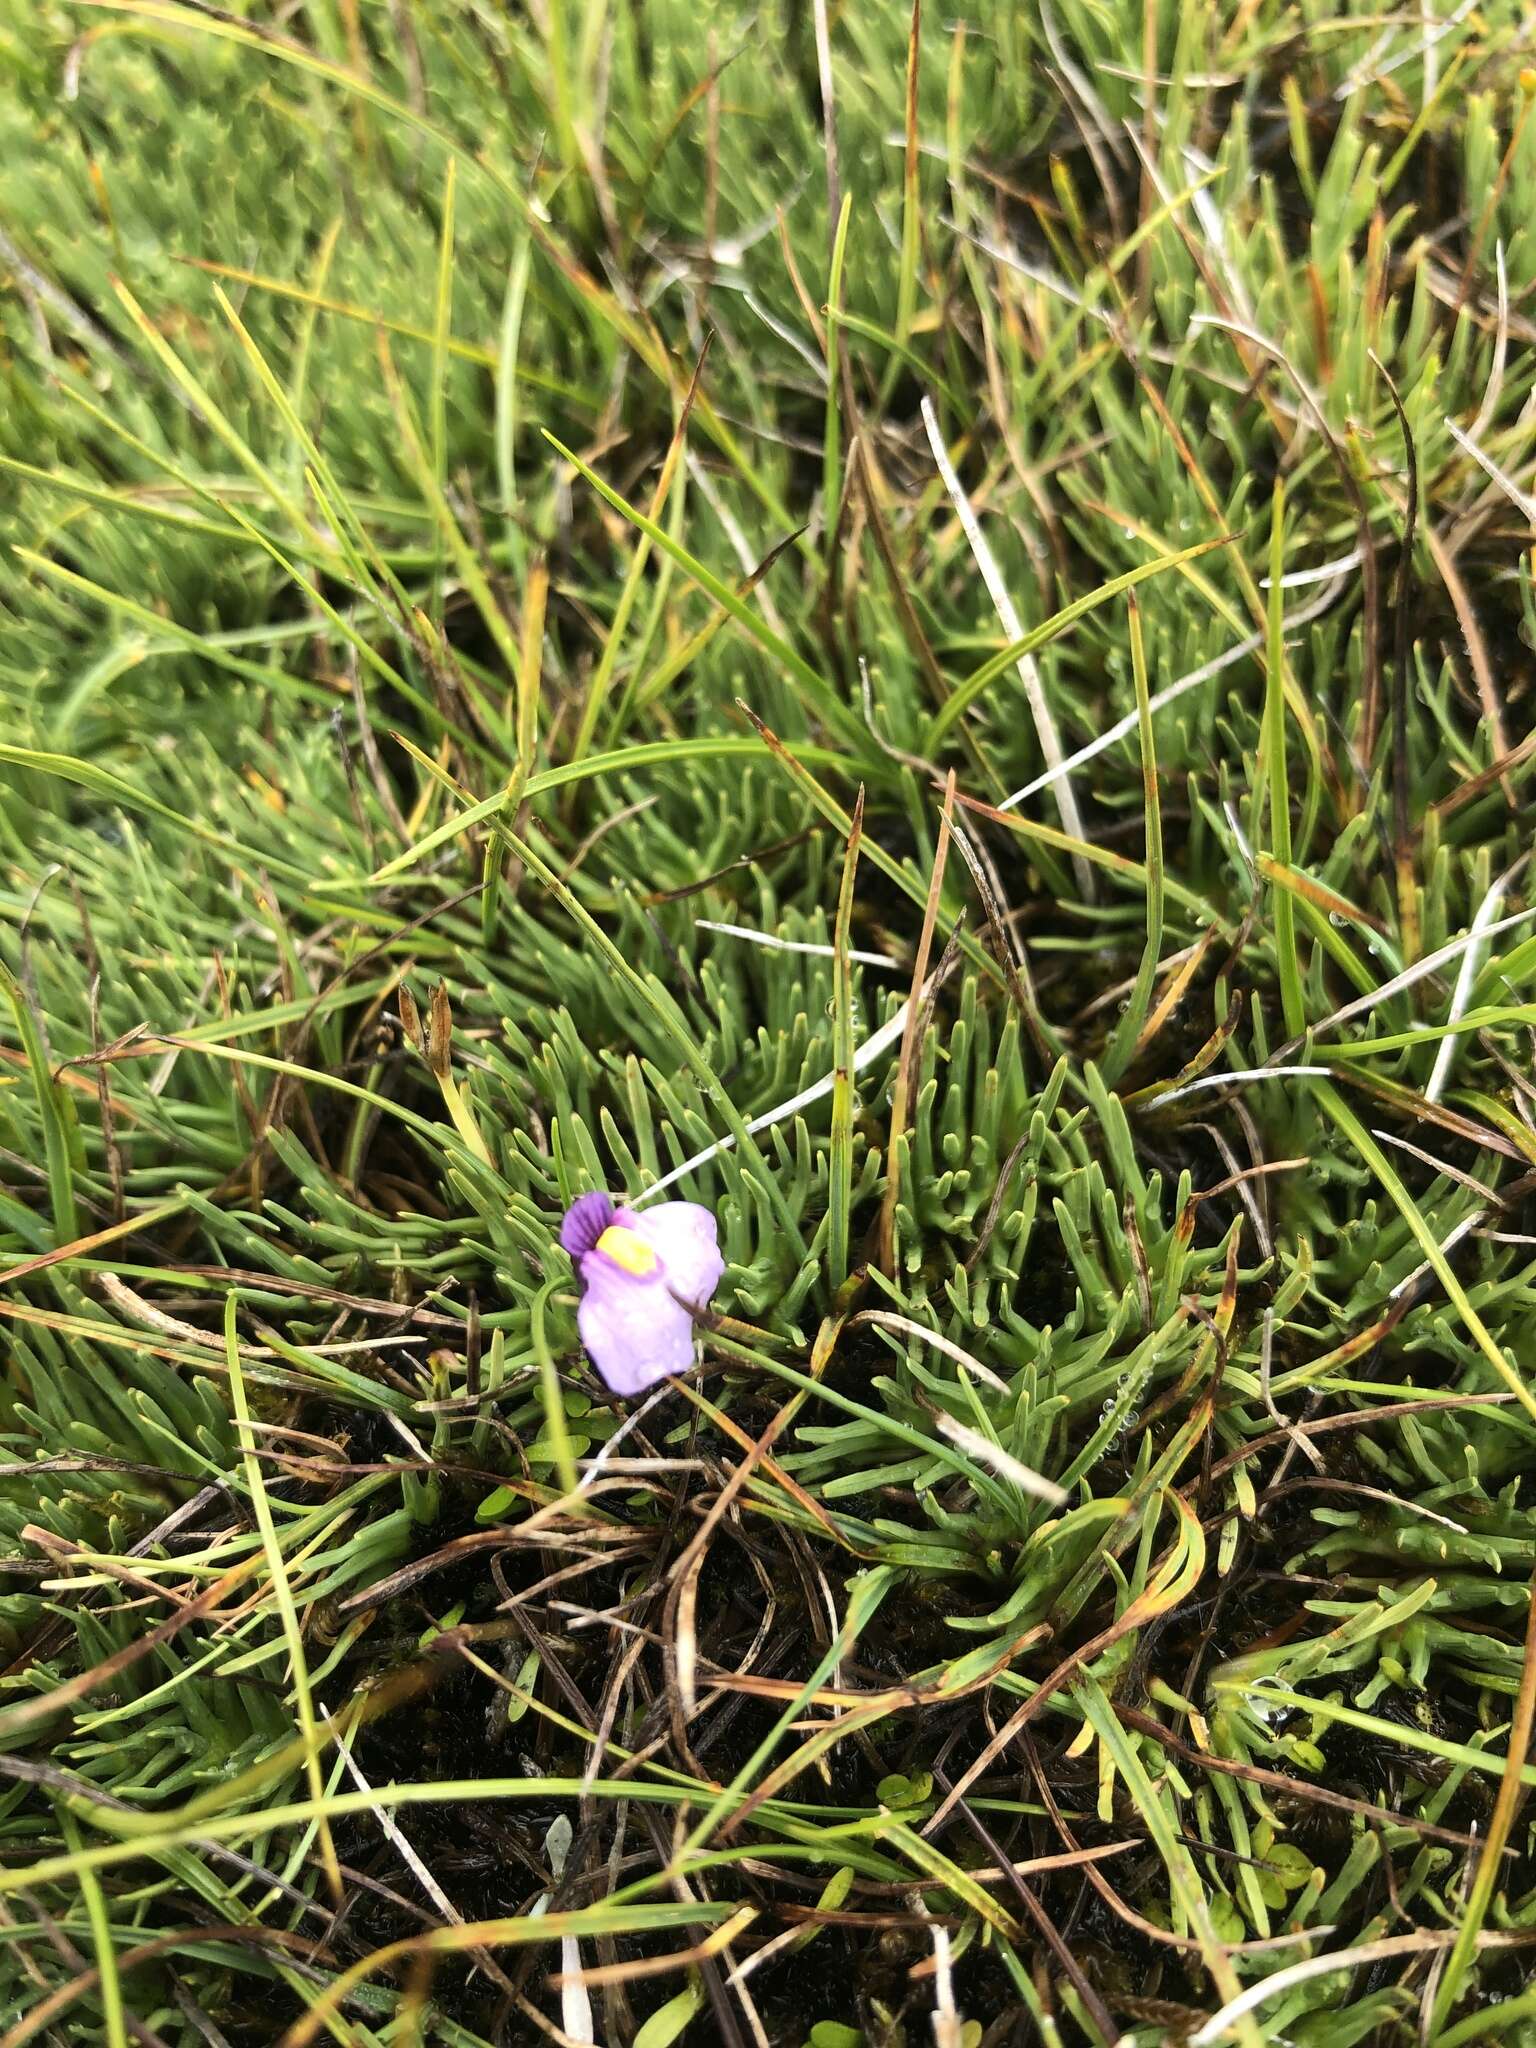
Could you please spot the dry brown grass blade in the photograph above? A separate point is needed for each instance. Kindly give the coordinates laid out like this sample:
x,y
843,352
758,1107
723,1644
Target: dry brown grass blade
x,y
1147,1098
1497,771
93,1242
88,1977
906,1064
1148,1929
1364,1418
1290,1787
1477,654
1403,836
677,1622
360,1304
1407,1102
26,1714
1140,1610
1506,1807
1098,2013
890,1699
64,1552
661,1966
1010,956
757,1454
475,1540
865,1710
1316,893
1175,988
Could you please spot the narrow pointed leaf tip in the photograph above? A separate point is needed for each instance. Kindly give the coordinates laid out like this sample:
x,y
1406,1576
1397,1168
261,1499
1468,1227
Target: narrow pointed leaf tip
x,y
644,1280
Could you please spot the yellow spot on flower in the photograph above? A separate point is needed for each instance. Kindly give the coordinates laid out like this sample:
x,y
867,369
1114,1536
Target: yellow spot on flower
x,y
629,1250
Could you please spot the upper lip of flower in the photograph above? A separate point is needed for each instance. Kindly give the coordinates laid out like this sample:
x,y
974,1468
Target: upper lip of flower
x,y
584,1223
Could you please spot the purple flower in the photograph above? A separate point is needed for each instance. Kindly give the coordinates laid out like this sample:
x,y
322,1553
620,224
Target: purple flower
x,y
643,1277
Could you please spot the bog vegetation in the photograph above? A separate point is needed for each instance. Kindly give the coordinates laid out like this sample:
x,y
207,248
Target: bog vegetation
x,y
918,624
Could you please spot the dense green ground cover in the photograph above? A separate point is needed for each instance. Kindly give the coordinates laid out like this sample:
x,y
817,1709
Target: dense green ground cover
x,y
496,498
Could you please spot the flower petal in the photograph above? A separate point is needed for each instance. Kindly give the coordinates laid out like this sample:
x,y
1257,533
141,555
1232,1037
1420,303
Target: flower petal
x,y
635,1333
584,1223
684,1238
